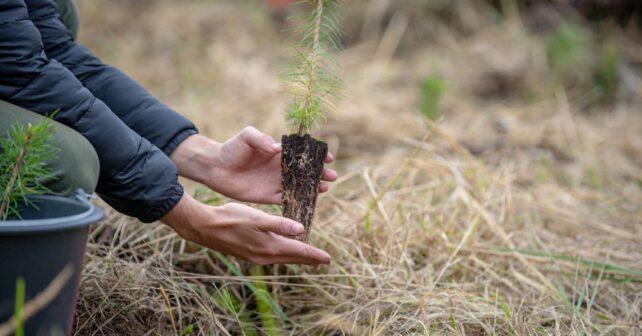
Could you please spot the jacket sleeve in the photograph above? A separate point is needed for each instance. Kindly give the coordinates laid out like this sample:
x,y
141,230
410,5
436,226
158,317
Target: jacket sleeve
x,y
143,113
136,178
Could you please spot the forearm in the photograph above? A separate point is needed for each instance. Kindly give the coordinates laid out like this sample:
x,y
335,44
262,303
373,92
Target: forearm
x,y
135,177
136,107
133,104
196,159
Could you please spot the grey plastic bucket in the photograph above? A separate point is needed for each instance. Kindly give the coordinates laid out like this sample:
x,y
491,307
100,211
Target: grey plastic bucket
x,y
51,235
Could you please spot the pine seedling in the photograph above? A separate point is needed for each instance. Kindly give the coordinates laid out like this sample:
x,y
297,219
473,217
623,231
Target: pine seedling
x,y
313,79
23,166
311,82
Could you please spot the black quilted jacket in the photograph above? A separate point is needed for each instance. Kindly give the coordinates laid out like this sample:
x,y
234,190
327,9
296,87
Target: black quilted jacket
x,y
43,69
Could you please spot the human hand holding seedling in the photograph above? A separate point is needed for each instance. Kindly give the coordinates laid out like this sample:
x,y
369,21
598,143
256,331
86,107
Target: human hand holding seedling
x,y
244,232
247,167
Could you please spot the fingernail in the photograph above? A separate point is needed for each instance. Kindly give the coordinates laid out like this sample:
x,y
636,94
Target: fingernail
x,y
326,260
276,146
296,229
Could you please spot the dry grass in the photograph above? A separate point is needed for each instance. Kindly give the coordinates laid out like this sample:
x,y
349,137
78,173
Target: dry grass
x,y
510,216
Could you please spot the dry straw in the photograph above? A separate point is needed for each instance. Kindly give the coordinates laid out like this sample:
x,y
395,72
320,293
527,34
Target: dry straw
x,y
508,216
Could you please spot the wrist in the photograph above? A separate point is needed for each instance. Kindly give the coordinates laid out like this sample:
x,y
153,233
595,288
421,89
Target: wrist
x,y
189,218
195,158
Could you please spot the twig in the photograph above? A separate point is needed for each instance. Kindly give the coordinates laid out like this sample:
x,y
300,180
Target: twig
x,y
40,301
16,170
169,310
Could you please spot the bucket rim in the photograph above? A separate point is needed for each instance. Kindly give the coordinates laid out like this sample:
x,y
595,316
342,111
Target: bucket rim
x,y
90,215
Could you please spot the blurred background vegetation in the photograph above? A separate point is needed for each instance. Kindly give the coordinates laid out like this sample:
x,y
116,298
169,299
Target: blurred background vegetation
x,y
490,155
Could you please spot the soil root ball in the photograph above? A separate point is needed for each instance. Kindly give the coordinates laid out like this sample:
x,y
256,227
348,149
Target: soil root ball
x,y
302,165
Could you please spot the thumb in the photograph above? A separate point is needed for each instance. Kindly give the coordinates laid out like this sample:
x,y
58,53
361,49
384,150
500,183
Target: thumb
x,y
282,226
259,140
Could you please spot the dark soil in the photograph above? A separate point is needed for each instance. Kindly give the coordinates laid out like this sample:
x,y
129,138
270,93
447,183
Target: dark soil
x,y
302,164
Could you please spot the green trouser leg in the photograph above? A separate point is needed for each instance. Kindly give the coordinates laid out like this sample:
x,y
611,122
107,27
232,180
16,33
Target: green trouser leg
x,y
76,165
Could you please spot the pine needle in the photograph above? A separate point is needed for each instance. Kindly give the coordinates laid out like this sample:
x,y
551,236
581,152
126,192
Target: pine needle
x,y
23,165
16,169
313,78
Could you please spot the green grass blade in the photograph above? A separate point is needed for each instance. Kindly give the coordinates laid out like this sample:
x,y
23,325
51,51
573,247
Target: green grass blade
x,y
236,271
19,306
263,299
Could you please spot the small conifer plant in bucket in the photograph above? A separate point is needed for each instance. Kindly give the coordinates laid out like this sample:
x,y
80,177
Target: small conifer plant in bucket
x,y
311,82
22,167
42,235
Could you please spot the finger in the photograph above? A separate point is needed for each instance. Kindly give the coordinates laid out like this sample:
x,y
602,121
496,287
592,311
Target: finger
x,y
281,225
295,252
328,158
259,140
323,187
282,250
329,175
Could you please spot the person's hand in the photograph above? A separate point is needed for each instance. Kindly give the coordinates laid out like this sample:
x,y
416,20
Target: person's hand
x,y
244,232
247,167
